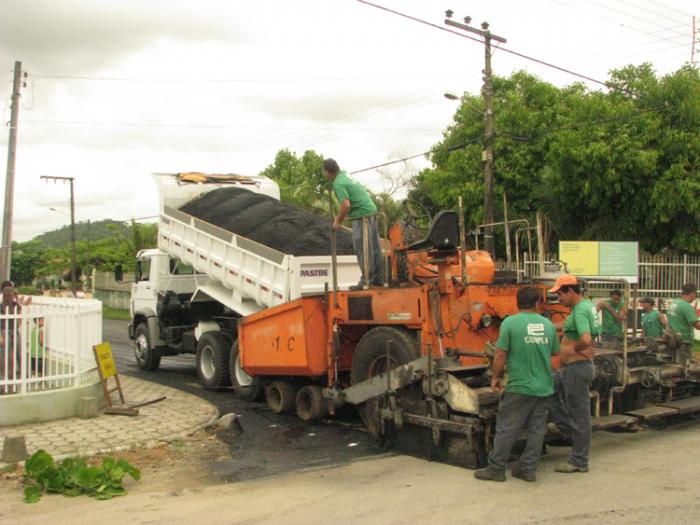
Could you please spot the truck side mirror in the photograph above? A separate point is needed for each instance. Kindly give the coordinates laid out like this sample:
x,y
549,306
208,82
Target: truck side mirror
x,y
118,273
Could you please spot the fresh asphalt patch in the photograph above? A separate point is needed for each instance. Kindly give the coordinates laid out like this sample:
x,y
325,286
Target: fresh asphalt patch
x,y
266,444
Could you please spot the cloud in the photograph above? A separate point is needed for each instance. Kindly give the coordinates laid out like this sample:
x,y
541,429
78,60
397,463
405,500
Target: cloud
x,y
80,36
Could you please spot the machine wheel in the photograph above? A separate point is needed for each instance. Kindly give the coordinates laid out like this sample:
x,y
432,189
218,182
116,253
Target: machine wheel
x,y
370,359
212,360
281,397
146,358
310,403
245,386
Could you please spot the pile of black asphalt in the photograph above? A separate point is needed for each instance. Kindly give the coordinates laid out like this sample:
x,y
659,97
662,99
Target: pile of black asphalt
x,y
268,221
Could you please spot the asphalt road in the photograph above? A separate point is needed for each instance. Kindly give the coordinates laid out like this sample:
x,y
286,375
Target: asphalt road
x,y
269,444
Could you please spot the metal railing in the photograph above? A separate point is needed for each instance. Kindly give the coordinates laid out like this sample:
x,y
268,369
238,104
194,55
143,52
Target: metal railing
x,y
48,344
660,276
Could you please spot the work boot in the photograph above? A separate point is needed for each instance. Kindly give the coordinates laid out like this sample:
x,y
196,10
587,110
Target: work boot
x,y
356,287
490,474
569,468
525,475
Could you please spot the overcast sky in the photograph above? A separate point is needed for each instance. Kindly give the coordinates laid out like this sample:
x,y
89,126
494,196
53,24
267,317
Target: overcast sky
x,y
119,89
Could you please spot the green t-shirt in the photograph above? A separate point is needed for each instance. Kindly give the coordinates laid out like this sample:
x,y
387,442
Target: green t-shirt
x,y
582,319
529,340
651,324
360,203
681,317
611,325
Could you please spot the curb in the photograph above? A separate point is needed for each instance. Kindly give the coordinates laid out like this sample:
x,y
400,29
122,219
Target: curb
x,y
137,444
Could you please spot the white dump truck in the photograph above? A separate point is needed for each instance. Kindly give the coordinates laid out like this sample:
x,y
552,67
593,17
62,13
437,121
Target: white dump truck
x,y
189,293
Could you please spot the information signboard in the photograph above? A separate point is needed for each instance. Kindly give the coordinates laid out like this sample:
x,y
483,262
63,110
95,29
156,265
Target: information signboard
x,y
601,258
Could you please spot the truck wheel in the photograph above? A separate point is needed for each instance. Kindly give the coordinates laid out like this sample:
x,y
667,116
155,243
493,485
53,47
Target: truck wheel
x,y
370,356
281,397
310,403
245,386
212,360
146,358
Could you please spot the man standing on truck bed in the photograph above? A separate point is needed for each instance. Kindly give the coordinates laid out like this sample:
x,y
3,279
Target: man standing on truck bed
x,y
526,343
355,204
570,406
682,317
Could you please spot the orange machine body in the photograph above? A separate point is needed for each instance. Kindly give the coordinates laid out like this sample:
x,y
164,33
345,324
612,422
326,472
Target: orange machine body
x,y
316,336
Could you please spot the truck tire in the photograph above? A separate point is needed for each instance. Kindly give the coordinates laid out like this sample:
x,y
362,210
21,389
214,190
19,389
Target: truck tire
x,y
245,387
212,360
370,356
281,397
144,352
310,403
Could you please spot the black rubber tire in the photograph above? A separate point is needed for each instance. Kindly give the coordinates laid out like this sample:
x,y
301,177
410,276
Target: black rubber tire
x,y
212,360
144,352
281,397
310,404
242,388
369,358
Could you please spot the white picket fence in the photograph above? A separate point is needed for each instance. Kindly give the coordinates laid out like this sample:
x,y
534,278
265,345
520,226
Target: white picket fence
x,y
48,345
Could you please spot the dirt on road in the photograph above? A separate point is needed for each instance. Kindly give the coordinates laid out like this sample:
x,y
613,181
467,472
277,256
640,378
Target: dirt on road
x,y
642,478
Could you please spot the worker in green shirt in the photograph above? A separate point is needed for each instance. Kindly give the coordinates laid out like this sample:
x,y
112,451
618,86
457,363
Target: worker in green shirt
x,y
614,313
682,317
355,204
570,406
525,345
653,321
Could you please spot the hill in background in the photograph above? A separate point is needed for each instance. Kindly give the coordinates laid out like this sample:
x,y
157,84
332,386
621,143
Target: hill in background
x,y
83,230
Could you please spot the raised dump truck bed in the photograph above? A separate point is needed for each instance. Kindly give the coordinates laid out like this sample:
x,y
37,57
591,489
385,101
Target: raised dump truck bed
x,y
243,274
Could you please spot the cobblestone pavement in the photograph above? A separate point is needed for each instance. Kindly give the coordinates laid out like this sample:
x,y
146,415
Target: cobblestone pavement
x,y
176,416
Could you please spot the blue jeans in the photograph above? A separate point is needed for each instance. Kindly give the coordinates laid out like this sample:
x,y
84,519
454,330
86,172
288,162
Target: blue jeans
x,y
570,407
376,258
518,412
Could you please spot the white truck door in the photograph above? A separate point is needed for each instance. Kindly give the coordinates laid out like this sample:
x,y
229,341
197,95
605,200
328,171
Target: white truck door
x,y
143,291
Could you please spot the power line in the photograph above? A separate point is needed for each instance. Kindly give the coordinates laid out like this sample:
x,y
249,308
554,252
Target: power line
x,y
655,13
505,50
669,8
214,126
39,76
616,22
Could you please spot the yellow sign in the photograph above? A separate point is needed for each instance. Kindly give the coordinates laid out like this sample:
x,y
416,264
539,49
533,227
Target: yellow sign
x,y
581,257
105,360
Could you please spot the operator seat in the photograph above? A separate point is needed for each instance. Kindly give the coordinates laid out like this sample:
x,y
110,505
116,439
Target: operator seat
x,y
443,233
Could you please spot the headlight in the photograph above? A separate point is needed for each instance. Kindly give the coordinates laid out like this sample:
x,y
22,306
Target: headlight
x,y
486,320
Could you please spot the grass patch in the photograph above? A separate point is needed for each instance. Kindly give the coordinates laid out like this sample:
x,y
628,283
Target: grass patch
x,y
115,314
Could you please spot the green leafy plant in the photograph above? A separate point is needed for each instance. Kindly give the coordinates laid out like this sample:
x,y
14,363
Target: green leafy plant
x,y
73,477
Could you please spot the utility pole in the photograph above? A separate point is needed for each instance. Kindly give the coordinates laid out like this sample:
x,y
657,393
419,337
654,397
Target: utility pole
x,y
487,92
694,41
10,178
73,279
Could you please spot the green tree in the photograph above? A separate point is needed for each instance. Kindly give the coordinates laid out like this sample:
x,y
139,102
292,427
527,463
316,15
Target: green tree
x,y
27,258
301,180
616,165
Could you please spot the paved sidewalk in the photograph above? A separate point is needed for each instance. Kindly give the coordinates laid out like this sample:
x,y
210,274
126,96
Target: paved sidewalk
x,y
176,416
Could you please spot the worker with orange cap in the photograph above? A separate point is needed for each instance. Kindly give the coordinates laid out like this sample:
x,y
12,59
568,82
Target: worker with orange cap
x,y
570,407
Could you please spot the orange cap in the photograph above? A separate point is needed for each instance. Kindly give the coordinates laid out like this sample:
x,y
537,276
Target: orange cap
x,y
563,280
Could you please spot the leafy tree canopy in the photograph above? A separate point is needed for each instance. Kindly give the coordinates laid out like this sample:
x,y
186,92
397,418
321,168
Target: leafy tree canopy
x,y
617,165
